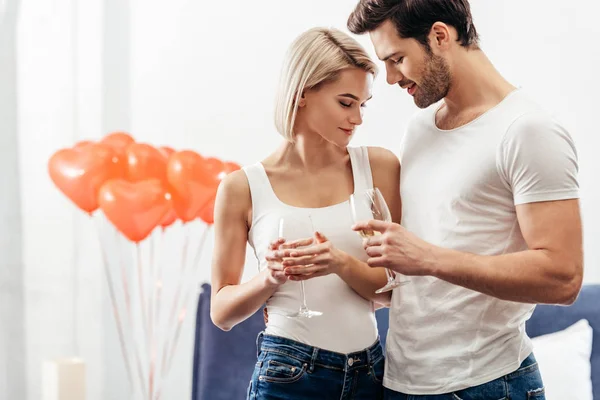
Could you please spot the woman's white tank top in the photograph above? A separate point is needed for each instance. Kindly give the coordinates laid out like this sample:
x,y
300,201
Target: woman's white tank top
x,y
348,322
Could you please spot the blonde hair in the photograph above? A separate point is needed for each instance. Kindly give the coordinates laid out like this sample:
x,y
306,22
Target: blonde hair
x,y
316,57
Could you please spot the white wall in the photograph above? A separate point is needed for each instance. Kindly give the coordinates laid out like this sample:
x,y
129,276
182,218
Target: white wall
x,y
12,304
59,102
202,75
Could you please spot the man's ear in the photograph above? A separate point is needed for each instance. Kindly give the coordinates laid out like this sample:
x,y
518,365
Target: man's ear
x,y
440,35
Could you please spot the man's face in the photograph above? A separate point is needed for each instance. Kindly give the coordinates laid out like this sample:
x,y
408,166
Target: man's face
x,y
424,75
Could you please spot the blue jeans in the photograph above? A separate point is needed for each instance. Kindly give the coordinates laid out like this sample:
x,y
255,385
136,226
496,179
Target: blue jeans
x,y
287,369
523,384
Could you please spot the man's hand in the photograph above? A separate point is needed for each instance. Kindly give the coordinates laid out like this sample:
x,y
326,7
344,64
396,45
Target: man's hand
x,y
396,248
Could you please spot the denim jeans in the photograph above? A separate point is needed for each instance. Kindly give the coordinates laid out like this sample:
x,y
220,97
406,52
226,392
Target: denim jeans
x,y
287,369
523,384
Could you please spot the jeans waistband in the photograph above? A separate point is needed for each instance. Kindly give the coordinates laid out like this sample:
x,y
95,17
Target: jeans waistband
x,y
315,356
530,360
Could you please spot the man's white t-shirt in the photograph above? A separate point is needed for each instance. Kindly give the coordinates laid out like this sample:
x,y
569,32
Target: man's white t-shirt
x,y
459,190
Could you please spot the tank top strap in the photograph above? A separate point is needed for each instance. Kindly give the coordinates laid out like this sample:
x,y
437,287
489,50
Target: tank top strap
x,y
361,168
260,186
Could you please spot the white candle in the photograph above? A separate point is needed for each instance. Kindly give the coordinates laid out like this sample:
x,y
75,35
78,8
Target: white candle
x,y
63,379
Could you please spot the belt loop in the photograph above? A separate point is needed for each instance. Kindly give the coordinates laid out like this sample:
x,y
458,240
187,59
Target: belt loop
x,y
311,367
259,340
369,356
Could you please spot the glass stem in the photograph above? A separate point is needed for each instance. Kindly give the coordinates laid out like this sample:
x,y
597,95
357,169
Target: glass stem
x,y
303,293
390,275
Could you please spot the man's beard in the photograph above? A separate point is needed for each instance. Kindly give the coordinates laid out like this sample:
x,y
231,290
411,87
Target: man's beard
x,y
435,82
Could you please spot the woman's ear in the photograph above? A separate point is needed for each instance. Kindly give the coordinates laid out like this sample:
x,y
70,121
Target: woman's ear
x,y
302,101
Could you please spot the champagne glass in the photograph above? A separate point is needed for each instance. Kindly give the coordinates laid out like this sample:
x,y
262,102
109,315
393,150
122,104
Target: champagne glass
x,y
370,204
293,228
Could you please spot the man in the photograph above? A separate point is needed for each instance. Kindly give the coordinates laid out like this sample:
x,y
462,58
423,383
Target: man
x,y
490,214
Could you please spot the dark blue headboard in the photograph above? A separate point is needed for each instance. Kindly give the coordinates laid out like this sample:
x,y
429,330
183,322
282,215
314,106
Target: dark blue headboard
x,y
223,361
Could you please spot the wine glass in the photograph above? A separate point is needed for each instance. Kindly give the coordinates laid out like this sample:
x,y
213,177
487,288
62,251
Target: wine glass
x,y
370,204
292,228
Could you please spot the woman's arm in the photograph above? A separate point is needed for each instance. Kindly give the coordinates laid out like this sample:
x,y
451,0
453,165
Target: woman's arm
x,y
231,301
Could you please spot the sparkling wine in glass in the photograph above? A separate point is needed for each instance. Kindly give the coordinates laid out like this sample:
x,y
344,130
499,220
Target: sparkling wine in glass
x,y
370,204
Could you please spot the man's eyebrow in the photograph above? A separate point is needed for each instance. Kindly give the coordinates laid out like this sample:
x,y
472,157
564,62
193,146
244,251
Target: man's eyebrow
x,y
390,56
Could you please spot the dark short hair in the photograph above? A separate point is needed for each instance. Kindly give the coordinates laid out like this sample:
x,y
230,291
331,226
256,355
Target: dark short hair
x,y
414,18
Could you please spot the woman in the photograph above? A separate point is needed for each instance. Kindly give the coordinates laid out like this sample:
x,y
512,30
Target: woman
x,y
326,81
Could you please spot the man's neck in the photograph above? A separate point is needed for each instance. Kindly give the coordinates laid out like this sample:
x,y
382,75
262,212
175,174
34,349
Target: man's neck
x,y
476,84
476,87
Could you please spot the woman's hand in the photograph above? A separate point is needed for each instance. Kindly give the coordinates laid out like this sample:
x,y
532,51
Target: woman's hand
x,y
319,259
278,250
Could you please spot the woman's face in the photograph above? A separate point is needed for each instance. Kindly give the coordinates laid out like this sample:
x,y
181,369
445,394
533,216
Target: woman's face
x,y
335,109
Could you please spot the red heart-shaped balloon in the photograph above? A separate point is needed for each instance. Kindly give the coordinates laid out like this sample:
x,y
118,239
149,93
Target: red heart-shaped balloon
x,y
145,162
119,158
82,143
134,208
79,173
188,187
214,172
169,218
231,166
119,141
166,150
206,214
